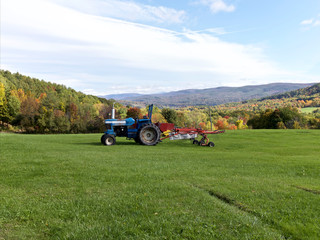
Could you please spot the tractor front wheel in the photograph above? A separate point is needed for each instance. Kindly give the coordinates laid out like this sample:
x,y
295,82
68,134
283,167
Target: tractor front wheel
x,y
108,140
210,144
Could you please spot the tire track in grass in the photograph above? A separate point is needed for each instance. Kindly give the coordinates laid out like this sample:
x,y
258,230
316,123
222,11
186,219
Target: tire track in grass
x,y
308,190
284,232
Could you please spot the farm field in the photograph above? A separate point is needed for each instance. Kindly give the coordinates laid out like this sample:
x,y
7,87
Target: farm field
x,y
254,184
308,109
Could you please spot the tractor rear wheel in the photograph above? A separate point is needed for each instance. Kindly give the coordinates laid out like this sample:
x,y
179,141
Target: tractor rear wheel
x,y
108,140
149,134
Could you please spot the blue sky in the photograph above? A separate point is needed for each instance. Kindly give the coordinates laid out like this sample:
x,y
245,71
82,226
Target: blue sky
x,y
148,46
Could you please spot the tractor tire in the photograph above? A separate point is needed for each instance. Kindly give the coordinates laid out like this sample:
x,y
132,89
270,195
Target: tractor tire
x,y
210,144
195,142
137,140
149,134
108,140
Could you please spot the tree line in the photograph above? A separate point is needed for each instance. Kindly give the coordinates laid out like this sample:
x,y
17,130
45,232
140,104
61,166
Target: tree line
x,y
35,106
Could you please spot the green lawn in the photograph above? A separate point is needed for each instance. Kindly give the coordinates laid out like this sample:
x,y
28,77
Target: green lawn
x,y
254,184
308,109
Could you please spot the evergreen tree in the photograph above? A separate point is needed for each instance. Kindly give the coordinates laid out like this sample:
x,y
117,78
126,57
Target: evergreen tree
x,y
170,115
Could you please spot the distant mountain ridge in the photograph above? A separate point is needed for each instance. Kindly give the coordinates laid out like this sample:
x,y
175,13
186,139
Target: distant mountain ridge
x,y
121,96
212,96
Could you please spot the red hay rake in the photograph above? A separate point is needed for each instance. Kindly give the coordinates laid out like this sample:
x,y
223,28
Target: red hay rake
x,y
192,134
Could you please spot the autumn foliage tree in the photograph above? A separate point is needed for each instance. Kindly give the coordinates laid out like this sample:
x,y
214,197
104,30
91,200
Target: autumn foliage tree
x,y
41,107
4,113
133,112
29,113
286,117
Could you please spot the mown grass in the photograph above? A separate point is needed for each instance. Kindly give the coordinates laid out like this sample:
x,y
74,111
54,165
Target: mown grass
x,y
308,109
255,184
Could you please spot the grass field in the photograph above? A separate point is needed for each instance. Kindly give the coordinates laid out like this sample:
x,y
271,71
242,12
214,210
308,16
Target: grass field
x,y
254,184
308,109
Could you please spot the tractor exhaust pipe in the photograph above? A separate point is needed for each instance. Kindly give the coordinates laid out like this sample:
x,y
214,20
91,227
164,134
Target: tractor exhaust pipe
x,y
113,113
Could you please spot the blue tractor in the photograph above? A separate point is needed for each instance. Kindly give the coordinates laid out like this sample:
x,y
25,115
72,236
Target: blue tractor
x,y
143,131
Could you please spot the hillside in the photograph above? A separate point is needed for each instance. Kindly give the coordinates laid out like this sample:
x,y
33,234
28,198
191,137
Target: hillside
x,y
213,96
300,98
33,105
309,92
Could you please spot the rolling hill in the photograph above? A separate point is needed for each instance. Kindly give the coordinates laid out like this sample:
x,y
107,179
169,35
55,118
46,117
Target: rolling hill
x,y
299,93
32,105
213,96
301,98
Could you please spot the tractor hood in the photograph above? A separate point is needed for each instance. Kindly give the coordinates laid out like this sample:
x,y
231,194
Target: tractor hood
x,y
120,122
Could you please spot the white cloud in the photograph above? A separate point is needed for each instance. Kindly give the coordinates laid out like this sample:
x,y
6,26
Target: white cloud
x,y
217,5
135,45
307,22
313,22
93,52
126,10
